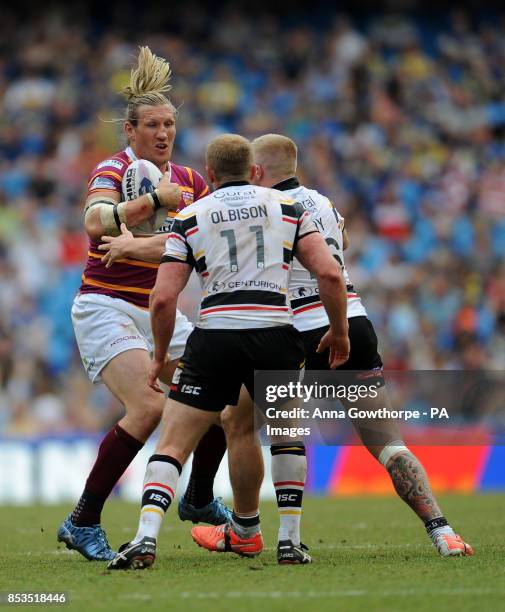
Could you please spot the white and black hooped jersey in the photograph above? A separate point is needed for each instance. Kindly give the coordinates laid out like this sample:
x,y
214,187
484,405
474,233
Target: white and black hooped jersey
x,y
240,240
308,309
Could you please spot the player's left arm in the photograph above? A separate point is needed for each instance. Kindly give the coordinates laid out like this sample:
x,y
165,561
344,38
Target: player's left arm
x,y
314,254
171,279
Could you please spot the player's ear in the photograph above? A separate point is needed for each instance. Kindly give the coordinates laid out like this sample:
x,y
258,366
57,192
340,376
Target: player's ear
x,y
257,174
129,131
253,173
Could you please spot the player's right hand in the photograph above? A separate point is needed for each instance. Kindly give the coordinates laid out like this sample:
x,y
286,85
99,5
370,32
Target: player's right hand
x,y
339,348
154,372
116,246
168,193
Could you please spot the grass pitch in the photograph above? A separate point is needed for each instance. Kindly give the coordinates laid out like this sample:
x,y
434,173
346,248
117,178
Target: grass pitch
x,y
369,554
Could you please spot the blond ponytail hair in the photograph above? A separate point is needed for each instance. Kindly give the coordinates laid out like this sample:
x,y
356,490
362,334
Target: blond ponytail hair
x,y
149,81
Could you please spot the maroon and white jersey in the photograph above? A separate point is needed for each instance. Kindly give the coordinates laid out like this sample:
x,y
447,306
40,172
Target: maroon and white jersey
x,y
130,279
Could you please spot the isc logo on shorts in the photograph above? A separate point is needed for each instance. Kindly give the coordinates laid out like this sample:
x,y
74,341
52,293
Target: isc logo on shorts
x,y
191,389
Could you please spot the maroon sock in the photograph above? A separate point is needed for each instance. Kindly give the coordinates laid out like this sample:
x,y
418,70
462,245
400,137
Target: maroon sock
x,y
117,450
206,460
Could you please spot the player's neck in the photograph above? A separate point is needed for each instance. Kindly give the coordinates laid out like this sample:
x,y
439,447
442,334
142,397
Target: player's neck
x,y
287,182
231,183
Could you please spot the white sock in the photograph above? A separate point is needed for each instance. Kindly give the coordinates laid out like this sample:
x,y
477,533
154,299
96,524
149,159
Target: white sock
x,y
160,481
289,471
446,530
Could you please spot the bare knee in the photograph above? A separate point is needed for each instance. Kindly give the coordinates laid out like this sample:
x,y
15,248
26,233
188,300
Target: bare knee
x,y
235,425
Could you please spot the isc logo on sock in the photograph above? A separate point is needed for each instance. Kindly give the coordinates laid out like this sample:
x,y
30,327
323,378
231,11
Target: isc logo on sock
x,y
159,498
191,389
287,497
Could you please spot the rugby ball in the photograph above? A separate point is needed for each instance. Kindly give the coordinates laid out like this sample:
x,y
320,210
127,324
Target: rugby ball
x,y
142,177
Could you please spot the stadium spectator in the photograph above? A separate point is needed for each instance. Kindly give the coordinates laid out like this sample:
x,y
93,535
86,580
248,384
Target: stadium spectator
x,y
400,119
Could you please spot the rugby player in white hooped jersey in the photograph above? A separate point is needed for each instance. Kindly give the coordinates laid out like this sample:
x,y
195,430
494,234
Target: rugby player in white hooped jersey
x,y
275,157
240,239
110,314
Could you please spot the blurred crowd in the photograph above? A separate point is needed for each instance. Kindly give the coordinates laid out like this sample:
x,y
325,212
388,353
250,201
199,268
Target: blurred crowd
x,y
400,120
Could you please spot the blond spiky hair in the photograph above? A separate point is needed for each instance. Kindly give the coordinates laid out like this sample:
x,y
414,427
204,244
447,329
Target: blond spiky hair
x,y
149,81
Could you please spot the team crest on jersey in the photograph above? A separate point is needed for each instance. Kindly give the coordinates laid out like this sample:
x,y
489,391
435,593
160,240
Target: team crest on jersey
x,y
188,197
115,163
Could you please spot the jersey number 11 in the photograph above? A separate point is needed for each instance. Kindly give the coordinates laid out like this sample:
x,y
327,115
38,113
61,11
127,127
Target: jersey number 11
x,y
232,246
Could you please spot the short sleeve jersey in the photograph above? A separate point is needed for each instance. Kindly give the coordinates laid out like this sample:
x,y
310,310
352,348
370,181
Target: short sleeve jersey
x,y
240,239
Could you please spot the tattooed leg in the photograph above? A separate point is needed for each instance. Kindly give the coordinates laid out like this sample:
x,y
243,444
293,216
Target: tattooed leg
x,y
411,483
384,441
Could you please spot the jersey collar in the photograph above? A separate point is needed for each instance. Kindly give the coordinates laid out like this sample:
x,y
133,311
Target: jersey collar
x,y
286,184
232,184
129,152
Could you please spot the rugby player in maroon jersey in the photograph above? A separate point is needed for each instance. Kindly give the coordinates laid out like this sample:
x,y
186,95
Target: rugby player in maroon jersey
x,y
110,314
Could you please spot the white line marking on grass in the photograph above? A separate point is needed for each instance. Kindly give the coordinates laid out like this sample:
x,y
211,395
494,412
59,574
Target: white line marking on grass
x,y
139,596
335,594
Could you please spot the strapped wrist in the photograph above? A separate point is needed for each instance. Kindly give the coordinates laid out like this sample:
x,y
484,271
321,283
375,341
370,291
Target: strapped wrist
x,y
154,199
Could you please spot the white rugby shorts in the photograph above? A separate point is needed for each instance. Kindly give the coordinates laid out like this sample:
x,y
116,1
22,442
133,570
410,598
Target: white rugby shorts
x,y
105,327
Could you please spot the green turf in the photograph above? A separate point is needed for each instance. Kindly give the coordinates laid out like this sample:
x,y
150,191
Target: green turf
x,y
369,554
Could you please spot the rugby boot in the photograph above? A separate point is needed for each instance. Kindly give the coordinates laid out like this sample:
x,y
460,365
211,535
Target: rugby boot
x,y
223,539
452,546
134,555
215,513
90,542
290,554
